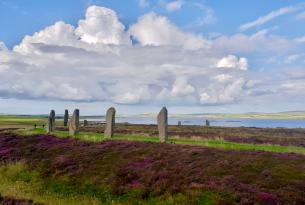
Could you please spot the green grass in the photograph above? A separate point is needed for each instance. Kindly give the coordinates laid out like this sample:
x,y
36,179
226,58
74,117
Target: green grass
x,y
220,144
18,182
21,121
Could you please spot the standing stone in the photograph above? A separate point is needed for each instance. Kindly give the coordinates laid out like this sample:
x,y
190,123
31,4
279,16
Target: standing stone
x,y
207,123
85,123
110,122
179,123
74,123
66,118
162,124
51,122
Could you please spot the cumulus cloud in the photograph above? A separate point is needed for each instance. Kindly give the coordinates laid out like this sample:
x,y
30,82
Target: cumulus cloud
x,y
102,26
223,78
95,61
226,94
232,61
152,29
182,88
58,34
2,46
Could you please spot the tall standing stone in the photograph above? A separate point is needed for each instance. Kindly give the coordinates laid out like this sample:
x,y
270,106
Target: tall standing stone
x,y
162,124
51,122
207,123
66,118
110,122
74,123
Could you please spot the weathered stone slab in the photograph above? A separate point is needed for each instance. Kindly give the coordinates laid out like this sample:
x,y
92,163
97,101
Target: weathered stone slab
x,y
110,122
179,123
66,118
162,124
74,123
51,122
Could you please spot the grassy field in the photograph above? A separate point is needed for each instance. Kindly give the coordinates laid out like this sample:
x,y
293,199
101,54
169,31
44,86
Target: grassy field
x,y
13,121
61,170
198,165
220,144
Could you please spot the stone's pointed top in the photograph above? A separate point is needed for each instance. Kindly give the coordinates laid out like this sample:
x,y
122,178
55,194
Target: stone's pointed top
x,y
52,112
111,108
164,109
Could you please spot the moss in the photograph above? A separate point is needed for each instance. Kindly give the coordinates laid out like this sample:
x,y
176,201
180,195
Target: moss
x,y
208,198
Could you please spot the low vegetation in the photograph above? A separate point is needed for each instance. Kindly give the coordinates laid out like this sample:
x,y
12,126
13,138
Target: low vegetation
x,y
52,170
214,143
199,165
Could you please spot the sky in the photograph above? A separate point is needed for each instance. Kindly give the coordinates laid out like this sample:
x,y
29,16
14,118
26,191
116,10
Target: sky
x,y
191,56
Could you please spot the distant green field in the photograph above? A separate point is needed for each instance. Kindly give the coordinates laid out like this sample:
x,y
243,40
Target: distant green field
x,y
219,144
14,120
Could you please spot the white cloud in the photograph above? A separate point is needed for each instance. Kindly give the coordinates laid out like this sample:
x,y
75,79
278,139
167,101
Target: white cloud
x,y
182,88
58,34
232,61
208,16
174,5
300,39
168,66
260,42
143,3
141,94
152,29
270,16
223,78
102,26
227,93
2,46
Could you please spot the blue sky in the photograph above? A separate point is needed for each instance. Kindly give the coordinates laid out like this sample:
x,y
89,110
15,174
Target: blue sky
x,y
192,56
24,17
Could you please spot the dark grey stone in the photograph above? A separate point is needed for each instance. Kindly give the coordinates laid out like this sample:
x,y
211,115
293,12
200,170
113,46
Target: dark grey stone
x,y
74,123
85,123
207,123
110,122
66,118
179,123
162,124
51,122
